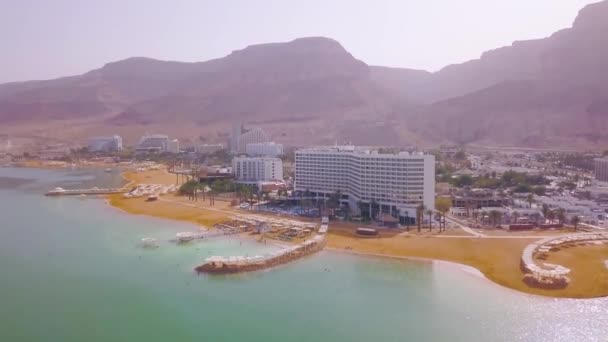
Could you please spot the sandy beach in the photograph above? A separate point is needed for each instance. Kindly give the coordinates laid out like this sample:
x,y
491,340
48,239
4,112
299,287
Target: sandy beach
x,y
497,258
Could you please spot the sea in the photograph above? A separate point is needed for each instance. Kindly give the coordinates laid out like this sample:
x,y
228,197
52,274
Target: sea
x,y
72,269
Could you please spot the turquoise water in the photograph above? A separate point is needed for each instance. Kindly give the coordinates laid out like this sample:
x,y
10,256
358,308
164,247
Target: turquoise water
x,y
71,271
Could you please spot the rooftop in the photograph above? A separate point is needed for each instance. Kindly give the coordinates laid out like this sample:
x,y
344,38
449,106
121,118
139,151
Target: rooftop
x,y
360,150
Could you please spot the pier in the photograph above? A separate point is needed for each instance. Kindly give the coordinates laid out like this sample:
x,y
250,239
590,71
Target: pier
x,y
91,191
237,264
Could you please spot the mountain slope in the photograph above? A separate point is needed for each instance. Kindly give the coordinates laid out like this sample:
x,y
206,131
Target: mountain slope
x,y
550,92
547,92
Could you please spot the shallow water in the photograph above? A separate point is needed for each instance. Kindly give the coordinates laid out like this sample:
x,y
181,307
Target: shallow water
x,y
72,271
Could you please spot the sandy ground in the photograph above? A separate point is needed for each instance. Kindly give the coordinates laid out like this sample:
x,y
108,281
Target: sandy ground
x,y
497,256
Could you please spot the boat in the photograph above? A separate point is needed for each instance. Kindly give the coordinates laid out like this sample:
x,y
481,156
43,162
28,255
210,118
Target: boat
x,y
108,170
152,198
82,196
149,243
56,192
184,237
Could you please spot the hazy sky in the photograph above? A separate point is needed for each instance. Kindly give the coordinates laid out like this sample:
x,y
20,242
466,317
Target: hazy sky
x,y
51,38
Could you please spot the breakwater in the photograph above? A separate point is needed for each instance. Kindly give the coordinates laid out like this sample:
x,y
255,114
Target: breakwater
x,y
237,264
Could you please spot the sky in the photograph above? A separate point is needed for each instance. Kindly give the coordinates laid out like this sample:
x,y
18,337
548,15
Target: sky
x,y
43,39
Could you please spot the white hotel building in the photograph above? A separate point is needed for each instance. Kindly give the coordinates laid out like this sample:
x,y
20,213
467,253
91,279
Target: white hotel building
x,y
396,183
254,170
265,149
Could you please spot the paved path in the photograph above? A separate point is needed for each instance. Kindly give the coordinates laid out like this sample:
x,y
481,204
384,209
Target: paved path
x,y
465,228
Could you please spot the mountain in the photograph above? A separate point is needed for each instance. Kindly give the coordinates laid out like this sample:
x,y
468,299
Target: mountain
x,y
539,93
314,82
549,92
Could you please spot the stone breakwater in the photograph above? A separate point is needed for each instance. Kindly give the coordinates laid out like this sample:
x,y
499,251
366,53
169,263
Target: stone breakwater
x,y
237,264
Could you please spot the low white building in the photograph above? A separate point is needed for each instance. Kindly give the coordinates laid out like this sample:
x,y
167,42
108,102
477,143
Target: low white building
x,y
265,149
173,146
157,143
253,170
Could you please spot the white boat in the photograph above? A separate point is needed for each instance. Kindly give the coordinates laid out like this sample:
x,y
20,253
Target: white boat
x,y
56,191
149,243
184,237
108,170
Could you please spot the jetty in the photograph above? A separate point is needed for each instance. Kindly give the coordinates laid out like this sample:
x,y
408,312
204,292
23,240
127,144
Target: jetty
x,y
91,191
237,264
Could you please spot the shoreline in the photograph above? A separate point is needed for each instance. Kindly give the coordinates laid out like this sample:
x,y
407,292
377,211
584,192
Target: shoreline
x,y
470,270
496,260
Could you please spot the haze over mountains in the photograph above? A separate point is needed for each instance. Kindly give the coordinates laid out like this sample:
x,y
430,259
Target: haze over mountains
x,y
550,92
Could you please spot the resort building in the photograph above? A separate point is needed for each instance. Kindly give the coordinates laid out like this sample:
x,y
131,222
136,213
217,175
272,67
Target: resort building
x,y
173,146
265,149
601,169
255,135
478,198
240,138
157,143
253,170
370,182
105,144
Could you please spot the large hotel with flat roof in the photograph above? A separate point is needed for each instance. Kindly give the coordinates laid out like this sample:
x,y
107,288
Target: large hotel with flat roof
x,y
395,183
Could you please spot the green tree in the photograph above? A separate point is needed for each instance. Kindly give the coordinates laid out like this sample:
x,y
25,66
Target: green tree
x,y
189,187
443,205
545,209
551,216
575,220
460,155
334,200
530,199
429,212
560,214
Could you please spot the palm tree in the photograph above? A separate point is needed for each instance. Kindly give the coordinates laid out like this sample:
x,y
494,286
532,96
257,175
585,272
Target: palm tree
x,y
495,216
346,212
484,214
515,217
429,212
560,215
530,199
360,205
475,216
545,209
419,215
575,220
334,201
551,216
372,203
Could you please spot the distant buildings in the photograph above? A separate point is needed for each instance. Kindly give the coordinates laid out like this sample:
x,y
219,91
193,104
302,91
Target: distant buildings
x,y
105,144
253,170
208,148
601,169
478,198
157,143
265,149
476,162
391,183
240,138
255,135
